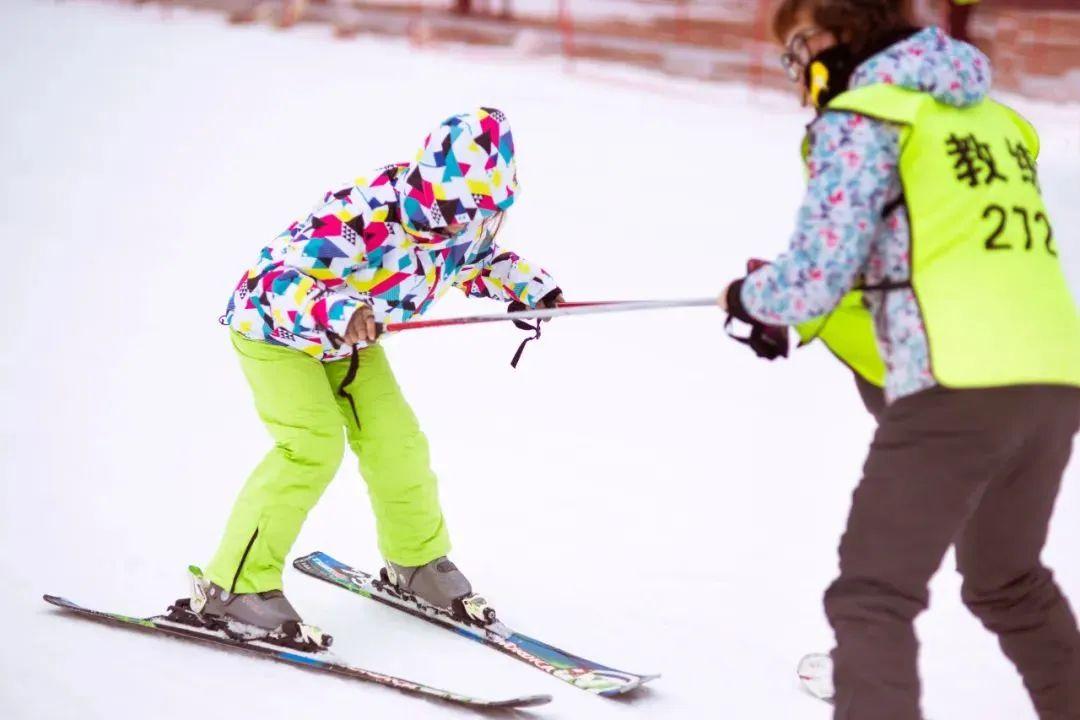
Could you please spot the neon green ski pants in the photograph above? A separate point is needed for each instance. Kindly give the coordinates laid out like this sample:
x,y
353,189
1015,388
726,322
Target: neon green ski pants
x,y
296,397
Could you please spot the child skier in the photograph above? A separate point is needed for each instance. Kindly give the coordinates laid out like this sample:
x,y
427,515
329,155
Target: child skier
x,y
303,323
924,195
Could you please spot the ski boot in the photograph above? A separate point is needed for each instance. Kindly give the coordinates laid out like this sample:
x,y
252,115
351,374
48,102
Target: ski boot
x,y
266,616
441,585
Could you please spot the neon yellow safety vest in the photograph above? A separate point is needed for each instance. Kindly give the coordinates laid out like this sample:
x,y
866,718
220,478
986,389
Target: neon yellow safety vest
x,y
994,300
848,332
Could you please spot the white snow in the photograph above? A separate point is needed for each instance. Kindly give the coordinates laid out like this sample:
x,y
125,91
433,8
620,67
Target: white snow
x,y
641,491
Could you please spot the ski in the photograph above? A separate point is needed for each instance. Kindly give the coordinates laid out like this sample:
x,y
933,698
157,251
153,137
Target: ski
x,y
318,661
579,672
815,676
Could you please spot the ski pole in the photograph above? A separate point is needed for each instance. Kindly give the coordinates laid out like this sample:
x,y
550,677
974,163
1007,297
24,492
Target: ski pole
x,y
563,310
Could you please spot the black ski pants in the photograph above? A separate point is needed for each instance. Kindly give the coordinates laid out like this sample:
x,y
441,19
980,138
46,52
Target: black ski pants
x,y
980,469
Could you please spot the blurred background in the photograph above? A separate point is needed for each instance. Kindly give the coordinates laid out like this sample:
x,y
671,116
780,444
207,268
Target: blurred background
x,y
1033,43
641,490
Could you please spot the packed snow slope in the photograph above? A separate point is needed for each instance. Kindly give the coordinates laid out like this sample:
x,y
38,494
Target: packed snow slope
x,y
641,491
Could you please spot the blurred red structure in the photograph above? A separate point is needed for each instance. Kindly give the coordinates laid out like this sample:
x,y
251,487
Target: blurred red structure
x,y
1035,44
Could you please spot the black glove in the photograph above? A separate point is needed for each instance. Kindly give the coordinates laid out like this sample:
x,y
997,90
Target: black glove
x,y
546,302
767,341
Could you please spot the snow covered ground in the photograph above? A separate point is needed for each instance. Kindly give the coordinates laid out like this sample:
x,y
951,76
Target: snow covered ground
x,y
641,491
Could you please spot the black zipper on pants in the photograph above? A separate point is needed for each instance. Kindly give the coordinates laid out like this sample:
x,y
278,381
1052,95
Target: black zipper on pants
x,y
243,559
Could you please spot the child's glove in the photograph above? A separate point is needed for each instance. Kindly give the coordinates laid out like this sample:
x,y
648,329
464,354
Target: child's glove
x,y
551,300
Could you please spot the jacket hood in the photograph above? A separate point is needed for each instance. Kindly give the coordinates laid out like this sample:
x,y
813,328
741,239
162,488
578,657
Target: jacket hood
x,y
953,72
465,171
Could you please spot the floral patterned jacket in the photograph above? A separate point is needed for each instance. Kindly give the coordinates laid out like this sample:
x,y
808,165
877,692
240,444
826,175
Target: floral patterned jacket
x,y
852,225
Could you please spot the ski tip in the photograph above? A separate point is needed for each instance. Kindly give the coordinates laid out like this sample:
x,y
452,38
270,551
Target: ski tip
x,y
300,561
630,686
57,600
520,702
815,676
62,602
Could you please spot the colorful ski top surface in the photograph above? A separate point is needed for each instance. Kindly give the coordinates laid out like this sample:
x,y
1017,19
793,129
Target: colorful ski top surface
x,y
578,671
320,662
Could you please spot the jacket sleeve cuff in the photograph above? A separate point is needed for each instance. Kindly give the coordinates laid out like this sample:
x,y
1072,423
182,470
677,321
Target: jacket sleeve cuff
x,y
542,287
548,299
548,286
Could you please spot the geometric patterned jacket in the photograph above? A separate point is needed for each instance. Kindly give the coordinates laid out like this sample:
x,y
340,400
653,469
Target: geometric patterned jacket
x,y
377,241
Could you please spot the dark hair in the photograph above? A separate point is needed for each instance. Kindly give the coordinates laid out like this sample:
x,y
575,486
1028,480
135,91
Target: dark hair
x,y
862,24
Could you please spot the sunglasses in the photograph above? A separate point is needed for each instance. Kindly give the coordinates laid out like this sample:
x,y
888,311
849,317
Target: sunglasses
x,y
796,54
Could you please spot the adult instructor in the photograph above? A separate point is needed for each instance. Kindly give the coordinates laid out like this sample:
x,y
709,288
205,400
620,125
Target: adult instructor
x,y
924,199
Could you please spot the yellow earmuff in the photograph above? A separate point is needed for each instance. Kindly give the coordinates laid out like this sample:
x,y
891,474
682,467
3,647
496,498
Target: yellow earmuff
x,y
819,81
